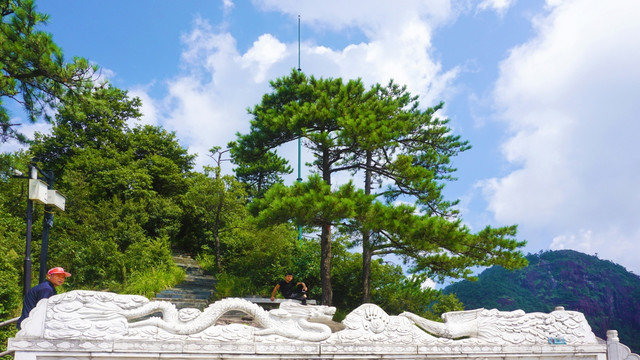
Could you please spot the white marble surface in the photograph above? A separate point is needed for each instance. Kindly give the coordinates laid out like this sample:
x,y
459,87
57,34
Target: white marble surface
x,y
95,325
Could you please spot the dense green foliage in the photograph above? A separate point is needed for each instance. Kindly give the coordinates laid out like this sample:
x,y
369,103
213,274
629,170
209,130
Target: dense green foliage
x,y
123,188
605,292
382,135
279,251
32,69
392,290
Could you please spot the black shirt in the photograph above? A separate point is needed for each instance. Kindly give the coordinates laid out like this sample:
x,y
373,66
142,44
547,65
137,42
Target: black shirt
x,y
44,290
287,288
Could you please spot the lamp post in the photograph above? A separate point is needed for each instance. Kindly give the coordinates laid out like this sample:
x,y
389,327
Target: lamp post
x,y
299,137
26,281
47,223
43,193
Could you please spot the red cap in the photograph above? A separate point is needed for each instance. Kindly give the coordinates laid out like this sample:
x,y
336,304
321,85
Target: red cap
x,y
58,270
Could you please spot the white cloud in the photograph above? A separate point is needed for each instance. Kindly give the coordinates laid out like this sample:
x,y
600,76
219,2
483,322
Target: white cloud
x,y
569,99
207,104
265,52
499,6
26,128
373,17
613,243
227,5
149,108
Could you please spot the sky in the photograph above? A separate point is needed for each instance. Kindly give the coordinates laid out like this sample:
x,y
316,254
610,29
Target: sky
x,y
546,92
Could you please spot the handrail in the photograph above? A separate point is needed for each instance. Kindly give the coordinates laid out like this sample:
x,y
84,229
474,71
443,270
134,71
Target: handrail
x,y
10,321
7,322
8,352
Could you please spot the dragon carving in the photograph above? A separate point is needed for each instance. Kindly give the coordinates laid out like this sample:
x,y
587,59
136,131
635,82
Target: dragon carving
x,y
95,314
103,315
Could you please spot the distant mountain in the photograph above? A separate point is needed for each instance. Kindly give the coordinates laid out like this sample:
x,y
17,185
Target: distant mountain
x,y
607,294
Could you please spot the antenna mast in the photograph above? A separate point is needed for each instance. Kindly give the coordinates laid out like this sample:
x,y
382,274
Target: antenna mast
x,y
300,137
299,43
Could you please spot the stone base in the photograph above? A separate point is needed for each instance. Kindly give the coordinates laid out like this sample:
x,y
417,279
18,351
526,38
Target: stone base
x,y
89,325
38,349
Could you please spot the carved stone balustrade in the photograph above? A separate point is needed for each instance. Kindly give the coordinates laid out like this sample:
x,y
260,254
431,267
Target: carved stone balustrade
x,y
90,325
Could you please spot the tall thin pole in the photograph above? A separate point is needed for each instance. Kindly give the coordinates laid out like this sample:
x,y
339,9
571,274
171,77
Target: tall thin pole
x,y
27,251
299,137
299,69
26,284
47,223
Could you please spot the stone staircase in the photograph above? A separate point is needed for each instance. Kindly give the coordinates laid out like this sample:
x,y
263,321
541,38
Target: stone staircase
x,y
195,291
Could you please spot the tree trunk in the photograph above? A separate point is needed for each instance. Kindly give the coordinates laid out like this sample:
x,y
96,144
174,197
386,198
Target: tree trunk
x,y
216,225
216,233
325,242
366,268
325,265
366,241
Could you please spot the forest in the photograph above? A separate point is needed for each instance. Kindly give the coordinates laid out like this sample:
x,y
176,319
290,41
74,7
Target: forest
x,y
134,196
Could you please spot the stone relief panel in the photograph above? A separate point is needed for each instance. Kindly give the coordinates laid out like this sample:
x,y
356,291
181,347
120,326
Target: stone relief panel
x,y
512,327
92,315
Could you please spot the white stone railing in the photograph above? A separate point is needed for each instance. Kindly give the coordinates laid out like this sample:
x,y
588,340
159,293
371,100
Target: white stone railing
x,y
95,325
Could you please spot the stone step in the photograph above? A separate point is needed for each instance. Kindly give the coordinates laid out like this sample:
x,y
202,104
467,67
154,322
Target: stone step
x,y
195,286
201,283
184,295
204,278
195,290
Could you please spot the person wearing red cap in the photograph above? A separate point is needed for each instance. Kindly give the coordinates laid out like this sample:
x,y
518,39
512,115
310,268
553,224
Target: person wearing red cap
x,y
44,290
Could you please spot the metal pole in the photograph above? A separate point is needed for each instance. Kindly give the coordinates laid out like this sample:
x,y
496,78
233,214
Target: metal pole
x,y
47,223
299,43
27,251
26,285
299,179
300,137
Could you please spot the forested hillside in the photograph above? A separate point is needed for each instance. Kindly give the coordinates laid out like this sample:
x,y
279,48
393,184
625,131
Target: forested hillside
x,y
607,294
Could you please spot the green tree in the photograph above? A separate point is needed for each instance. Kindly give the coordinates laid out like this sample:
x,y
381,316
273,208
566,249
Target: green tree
x,y
436,246
258,171
123,187
314,109
270,252
212,203
11,233
392,290
33,70
383,134
312,203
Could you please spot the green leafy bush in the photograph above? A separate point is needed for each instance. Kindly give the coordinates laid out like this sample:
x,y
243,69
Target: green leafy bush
x,y
234,286
150,281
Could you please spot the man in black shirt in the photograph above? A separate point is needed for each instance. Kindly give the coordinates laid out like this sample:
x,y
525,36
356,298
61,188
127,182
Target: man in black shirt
x,y
44,290
288,289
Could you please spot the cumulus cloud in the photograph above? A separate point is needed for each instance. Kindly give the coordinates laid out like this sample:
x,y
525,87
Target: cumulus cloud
x,y
499,6
568,98
373,17
265,52
148,108
207,103
26,128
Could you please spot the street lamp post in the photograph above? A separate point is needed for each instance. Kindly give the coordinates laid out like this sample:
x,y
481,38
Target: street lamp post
x,y
47,223
43,193
26,281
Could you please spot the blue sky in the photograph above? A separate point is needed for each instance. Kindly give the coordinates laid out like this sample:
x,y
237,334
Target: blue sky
x,y
545,91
